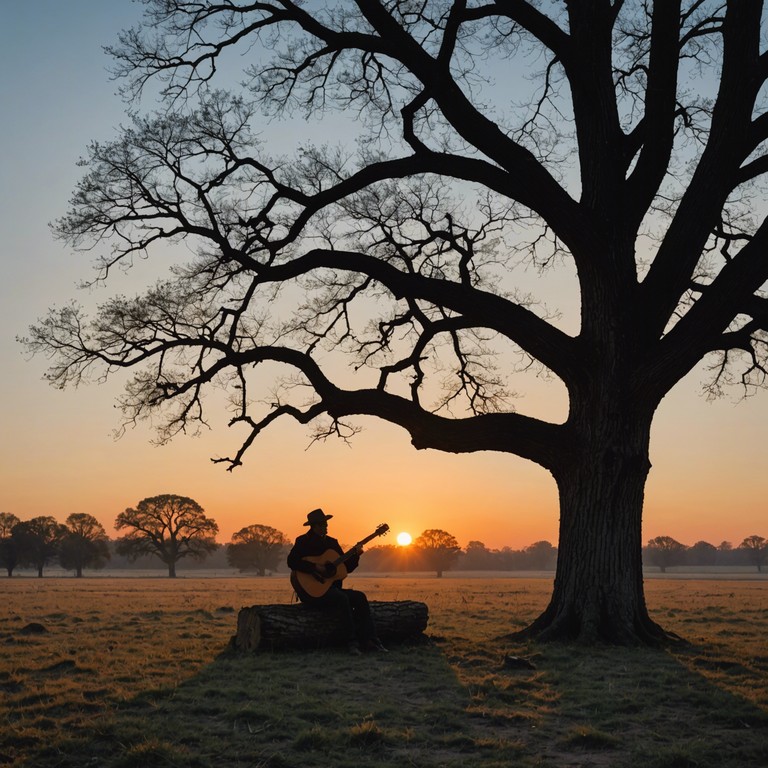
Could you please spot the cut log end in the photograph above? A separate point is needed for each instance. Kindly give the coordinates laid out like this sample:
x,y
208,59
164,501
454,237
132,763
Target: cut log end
x,y
279,626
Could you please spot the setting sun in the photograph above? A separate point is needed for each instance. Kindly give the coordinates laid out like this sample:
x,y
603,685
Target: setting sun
x,y
403,539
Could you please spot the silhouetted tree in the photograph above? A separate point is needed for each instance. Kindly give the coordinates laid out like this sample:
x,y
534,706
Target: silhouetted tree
x,y
756,548
725,555
438,549
85,545
509,559
171,527
7,523
540,556
256,548
38,541
702,553
632,157
664,552
9,555
476,557
389,557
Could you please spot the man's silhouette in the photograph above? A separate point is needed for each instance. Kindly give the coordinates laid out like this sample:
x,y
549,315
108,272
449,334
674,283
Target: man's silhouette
x,y
350,605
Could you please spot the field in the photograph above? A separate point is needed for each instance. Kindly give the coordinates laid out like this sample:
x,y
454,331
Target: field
x,y
135,673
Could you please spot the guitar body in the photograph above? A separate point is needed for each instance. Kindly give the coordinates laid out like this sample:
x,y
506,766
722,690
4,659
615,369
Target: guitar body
x,y
310,585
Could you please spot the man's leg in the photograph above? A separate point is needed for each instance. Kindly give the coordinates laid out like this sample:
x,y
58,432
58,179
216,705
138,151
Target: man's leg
x,y
364,624
337,601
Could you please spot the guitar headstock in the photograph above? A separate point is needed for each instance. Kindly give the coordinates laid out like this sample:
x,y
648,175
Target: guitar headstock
x,y
382,530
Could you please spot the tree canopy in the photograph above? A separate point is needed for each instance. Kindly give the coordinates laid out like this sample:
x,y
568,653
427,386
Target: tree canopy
x,y
620,141
168,526
757,548
38,541
664,551
257,548
439,549
9,551
84,545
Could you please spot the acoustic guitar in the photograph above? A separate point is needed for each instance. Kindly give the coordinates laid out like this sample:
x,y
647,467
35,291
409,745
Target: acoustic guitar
x,y
315,585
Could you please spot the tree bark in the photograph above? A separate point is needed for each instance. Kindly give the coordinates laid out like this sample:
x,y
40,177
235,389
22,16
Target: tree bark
x,y
278,626
598,592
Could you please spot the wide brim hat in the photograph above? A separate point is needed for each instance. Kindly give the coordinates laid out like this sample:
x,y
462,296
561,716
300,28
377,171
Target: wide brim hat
x,y
317,516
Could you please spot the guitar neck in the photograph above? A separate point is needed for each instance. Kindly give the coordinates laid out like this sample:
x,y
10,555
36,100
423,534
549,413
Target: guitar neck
x,y
362,542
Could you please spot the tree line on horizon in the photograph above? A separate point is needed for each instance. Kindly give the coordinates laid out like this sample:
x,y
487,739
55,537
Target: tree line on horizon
x,y
175,528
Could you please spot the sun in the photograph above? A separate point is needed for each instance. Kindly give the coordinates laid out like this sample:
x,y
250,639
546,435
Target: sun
x,y
404,539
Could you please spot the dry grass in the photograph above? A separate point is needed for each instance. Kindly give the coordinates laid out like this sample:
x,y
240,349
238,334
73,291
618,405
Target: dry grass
x,y
134,673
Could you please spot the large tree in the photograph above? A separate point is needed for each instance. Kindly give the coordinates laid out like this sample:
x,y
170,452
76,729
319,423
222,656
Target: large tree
x,y
85,544
438,549
168,526
38,541
756,548
620,141
9,551
665,552
257,548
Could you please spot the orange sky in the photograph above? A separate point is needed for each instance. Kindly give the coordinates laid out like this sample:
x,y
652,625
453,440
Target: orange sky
x,y
57,455
707,481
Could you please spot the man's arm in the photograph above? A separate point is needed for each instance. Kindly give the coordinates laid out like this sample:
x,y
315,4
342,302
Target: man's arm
x,y
354,560
296,561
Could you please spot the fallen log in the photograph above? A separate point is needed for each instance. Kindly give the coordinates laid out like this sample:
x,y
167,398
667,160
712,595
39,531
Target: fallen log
x,y
277,626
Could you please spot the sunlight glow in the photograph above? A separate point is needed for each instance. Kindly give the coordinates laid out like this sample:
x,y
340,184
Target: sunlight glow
x,y
404,539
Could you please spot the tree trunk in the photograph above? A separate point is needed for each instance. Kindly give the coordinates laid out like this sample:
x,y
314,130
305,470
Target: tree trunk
x,y
278,626
598,591
172,570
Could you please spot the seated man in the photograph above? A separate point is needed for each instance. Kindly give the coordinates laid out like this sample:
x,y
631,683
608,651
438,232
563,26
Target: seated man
x,y
312,554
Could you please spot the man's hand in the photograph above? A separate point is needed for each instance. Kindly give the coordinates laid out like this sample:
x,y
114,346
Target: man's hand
x,y
318,573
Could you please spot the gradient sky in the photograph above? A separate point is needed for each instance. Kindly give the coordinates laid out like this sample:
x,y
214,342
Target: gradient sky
x,y
58,454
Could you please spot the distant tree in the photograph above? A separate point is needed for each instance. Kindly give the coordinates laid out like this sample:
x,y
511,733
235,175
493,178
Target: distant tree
x,y
476,557
389,557
540,556
509,559
702,553
39,541
168,526
9,555
664,552
85,545
756,549
7,523
256,548
438,549
725,553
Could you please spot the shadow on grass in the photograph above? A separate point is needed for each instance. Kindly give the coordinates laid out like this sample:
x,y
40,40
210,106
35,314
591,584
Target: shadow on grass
x,y
655,709
291,708
443,704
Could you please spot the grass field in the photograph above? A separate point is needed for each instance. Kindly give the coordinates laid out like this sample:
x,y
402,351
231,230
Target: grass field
x,y
135,673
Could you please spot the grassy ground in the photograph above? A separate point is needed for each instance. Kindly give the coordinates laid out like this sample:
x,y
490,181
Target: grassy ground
x,y
134,673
